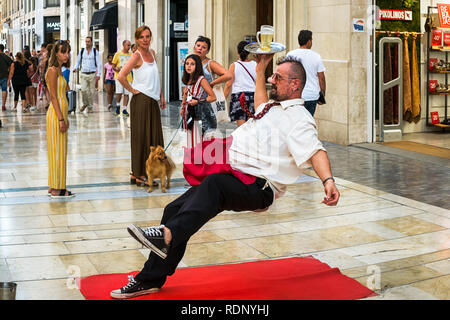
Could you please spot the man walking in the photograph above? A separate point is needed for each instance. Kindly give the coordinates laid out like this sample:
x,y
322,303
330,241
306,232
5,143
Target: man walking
x,y
315,71
5,63
253,177
120,59
90,65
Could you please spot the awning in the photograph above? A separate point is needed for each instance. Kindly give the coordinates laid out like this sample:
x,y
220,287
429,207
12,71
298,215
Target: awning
x,y
105,17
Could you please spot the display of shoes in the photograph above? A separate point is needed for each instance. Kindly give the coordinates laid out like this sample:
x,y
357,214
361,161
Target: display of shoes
x,y
439,66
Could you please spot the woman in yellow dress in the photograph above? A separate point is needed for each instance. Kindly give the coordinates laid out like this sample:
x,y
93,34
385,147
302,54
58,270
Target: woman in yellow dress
x,y
57,121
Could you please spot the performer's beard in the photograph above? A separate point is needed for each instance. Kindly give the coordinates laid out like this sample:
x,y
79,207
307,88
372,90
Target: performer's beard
x,y
275,95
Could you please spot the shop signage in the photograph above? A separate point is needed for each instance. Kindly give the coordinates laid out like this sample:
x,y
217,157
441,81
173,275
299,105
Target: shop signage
x,y
444,15
178,26
388,14
358,25
182,52
52,24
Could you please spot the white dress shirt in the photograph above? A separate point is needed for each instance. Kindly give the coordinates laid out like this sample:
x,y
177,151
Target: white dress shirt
x,y
278,146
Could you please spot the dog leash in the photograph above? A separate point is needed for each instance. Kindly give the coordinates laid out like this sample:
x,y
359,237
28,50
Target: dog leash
x,y
176,132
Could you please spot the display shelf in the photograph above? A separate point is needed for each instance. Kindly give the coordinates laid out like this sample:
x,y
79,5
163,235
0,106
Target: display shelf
x,y
440,125
446,49
442,50
439,93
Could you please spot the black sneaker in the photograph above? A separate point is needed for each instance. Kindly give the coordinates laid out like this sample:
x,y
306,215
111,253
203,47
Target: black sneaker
x,y
133,289
152,238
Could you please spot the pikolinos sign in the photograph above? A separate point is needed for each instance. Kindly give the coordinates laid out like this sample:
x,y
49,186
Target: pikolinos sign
x,y
388,14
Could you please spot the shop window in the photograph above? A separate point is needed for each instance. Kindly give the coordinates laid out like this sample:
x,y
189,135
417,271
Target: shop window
x,y
140,7
51,3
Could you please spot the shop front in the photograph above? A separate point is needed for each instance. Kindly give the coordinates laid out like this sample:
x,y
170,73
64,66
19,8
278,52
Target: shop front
x,y
177,27
410,79
52,29
106,18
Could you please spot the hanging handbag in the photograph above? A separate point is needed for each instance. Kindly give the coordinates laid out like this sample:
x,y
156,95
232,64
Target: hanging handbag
x,y
220,105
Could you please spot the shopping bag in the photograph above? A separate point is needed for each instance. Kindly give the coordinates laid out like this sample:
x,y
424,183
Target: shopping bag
x,y
220,107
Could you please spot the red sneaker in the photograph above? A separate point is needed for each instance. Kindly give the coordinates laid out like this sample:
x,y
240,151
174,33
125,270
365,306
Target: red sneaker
x,y
3,108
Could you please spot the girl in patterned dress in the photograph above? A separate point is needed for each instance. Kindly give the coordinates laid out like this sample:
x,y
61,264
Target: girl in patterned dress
x,y
197,96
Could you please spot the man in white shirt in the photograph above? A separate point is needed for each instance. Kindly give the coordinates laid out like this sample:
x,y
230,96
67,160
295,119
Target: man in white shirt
x,y
90,65
266,153
315,71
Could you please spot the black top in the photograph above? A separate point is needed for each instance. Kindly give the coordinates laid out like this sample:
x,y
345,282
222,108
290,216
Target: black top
x,y
20,76
5,63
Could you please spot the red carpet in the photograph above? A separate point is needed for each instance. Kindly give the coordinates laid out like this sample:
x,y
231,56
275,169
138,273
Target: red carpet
x,y
283,279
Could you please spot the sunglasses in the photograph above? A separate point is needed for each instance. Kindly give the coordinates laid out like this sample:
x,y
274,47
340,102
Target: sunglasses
x,y
278,77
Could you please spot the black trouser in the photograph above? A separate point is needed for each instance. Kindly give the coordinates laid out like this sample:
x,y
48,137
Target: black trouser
x,y
187,214
19,89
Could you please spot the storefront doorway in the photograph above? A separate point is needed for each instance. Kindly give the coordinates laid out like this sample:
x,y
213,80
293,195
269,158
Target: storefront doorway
x,y
400,44
176,44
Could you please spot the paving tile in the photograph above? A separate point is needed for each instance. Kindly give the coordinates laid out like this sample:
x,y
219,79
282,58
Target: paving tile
x,y
407,292
107,262
219,253
410,225
61,289
32,250
37,268
437,287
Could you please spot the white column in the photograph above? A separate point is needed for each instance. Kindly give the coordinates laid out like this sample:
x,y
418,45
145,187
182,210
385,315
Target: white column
x,y
73,22
63,19
87,14
196,19
127,19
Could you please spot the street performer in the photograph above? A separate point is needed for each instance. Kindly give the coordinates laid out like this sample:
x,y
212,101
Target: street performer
x,y
244,172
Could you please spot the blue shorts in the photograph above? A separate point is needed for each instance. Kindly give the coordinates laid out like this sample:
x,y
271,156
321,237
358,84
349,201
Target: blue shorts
x,y
110,82
4,84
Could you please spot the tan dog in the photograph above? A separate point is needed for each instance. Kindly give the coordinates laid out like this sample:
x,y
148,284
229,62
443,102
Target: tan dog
x,y
159,165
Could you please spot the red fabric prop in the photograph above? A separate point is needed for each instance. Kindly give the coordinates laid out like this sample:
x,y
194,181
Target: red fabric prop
x,y
283,279
210,157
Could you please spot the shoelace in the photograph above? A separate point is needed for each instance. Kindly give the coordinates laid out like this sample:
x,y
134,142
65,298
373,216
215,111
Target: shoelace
x,y
131,282
154,231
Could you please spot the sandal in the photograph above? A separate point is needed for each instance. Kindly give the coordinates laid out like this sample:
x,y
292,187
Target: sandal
x,y
63,193
132,178
141,183
144,183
